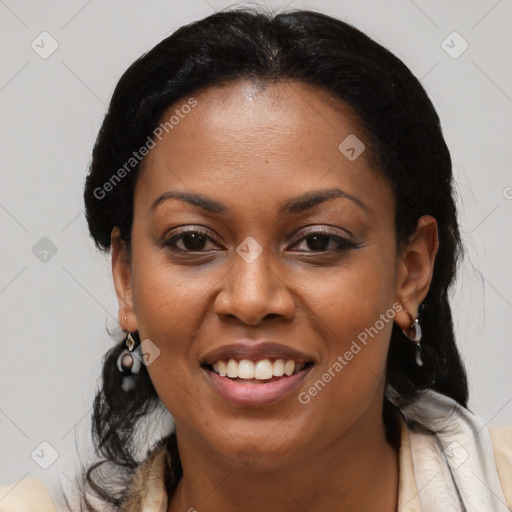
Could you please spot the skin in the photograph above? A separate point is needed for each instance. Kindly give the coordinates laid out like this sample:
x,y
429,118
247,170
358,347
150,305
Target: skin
x,y
251,148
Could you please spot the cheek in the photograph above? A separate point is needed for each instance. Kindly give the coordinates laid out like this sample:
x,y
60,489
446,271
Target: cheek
x,y
169,304
167,296
354,311
351,298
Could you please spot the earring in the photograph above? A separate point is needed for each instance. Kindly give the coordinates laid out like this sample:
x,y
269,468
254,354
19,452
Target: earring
x,y
129,360
415,336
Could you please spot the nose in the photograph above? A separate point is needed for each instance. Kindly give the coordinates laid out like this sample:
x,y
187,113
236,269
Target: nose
x,y
252,291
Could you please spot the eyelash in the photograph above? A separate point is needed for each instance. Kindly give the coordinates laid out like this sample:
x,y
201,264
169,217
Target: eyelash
x,y
344,242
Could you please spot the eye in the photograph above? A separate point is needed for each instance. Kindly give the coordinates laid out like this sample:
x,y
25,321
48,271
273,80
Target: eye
x,y
192,240
321,240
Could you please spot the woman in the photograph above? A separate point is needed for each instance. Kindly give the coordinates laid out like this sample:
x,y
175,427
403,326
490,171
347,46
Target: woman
x,y
276,194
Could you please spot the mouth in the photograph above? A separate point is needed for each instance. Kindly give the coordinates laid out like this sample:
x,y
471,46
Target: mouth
x,y
260,371
255,383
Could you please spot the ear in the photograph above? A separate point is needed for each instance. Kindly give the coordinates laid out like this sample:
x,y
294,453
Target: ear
x,y
415,269
121,272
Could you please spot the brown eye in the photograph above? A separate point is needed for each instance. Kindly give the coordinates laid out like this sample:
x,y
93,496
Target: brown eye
x,y
191,241
318,242
322,240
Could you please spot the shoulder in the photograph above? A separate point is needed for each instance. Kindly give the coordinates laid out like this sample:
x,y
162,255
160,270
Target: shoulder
x,y
26,495
501,436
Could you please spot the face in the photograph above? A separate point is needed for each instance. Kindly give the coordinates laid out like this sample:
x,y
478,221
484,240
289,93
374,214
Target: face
x,y
281,247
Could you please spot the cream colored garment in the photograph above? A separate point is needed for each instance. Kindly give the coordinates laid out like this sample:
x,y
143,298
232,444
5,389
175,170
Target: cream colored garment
x,y
148,491
408,497
27,495
453,457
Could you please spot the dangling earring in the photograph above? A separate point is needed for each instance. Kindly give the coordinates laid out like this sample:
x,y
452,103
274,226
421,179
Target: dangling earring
x,y
415,336
129,360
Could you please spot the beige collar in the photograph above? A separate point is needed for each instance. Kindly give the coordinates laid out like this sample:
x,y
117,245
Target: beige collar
x,y
147,492
408,500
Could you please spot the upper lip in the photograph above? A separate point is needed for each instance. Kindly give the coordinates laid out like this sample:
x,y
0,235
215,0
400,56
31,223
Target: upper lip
x,y
255,351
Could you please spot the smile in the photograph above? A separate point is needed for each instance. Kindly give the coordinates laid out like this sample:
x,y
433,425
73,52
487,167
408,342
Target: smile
x,y
256,383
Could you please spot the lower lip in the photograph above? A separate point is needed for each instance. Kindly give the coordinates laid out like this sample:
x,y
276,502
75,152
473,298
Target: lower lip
x,y
255,393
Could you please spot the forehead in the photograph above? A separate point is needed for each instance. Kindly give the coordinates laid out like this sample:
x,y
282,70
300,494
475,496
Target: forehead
x,y
246,141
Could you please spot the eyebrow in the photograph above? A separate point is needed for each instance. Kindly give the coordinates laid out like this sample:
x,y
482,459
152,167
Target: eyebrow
x,y
291,206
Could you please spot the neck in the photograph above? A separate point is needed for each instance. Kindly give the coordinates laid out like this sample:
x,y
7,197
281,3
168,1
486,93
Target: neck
x,y
359,471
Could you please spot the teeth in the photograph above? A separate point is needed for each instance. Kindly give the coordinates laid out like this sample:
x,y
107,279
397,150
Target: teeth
x,y
232,371
222,368
263,369
289,367
278,368
246,369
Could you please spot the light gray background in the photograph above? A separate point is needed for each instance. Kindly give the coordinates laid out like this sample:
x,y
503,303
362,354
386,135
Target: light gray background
x,y
55,313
